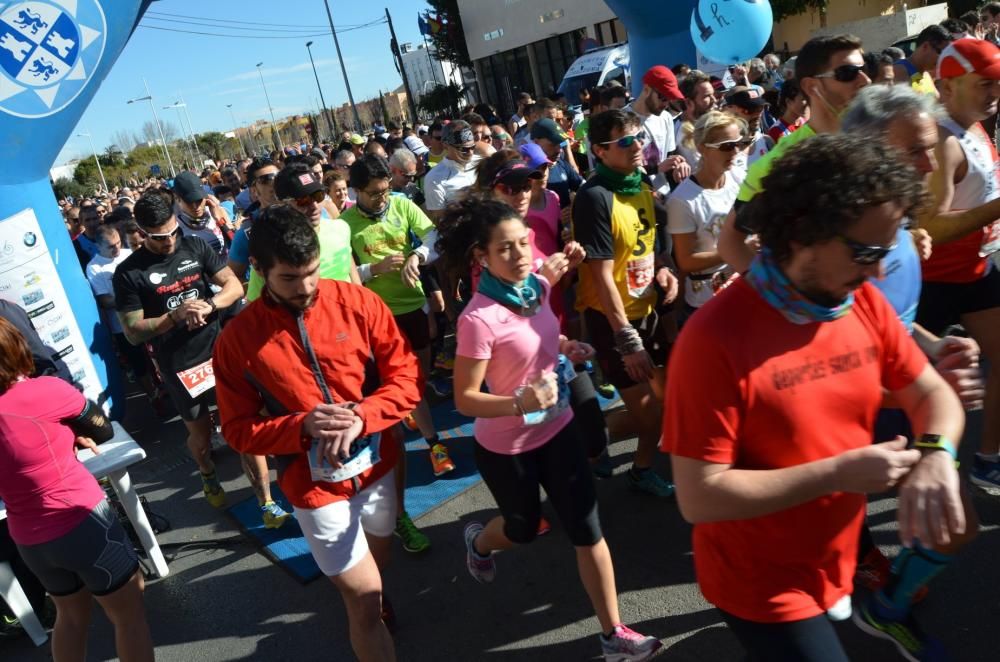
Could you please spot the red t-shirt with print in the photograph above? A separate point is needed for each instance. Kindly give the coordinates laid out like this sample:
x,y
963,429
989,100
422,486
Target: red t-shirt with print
x,y
750,389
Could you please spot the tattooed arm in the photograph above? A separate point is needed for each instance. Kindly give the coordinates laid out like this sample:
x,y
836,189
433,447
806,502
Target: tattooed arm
x,y
139,329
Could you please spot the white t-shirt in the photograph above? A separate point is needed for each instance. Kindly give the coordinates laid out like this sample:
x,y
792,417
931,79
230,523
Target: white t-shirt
x,y
99,272
691,208
445,181
660,142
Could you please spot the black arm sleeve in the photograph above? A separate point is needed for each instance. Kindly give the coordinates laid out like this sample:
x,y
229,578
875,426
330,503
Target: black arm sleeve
x,y
592,222
92,423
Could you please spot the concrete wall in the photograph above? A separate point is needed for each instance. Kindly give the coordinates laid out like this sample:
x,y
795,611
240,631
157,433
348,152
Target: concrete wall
x,y
521,21
881,31
796,30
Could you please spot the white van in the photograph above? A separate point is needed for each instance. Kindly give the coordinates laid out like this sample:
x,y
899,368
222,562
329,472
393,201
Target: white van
x,y
595,68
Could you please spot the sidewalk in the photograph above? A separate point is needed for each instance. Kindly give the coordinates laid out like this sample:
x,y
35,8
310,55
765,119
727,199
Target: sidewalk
x,y
225,601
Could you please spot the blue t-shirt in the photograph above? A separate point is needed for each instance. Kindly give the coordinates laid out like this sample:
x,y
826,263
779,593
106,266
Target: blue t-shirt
x,y
243,200
563,179
901,284
239,250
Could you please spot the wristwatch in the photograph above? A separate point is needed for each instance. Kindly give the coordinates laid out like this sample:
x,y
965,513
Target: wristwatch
x,y
211,302
936,442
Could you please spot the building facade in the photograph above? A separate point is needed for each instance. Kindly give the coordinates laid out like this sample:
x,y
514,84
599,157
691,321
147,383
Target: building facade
x,y
527,45
424,71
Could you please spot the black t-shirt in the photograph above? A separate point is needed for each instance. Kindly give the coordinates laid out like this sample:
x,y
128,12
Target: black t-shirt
x,y
156,284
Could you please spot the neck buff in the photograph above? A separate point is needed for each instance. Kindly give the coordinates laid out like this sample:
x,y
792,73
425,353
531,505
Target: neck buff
x,y
619,183
766,277
371,214
523,299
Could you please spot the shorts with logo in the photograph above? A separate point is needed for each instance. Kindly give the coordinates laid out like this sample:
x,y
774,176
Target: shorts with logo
x,y
943,304
96,555
654,340
336,532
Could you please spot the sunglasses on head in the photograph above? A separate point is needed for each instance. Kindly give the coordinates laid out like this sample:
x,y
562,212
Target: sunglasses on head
x,y
865,254
162,236
316,196
626,141
845,73
729,145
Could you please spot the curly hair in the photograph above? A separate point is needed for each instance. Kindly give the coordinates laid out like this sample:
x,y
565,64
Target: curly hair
x,y
467,225
820,187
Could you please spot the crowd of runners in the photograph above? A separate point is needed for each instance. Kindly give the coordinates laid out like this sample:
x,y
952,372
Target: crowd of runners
x,y
787,276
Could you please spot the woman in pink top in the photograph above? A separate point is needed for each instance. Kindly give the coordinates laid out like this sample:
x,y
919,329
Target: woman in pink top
x,y
64,528
525,433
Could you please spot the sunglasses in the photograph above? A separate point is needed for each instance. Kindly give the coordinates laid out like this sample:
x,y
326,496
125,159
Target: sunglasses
x,y
845,73
729,145
162,236
465,150
626,141
436,137
266,179
377,195
408,177
316,196
865,254
513,190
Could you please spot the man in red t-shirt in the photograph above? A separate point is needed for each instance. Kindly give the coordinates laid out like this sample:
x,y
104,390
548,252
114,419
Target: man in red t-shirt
x,y
771,400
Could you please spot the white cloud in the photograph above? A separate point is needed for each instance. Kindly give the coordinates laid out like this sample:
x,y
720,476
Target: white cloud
x,y
282,71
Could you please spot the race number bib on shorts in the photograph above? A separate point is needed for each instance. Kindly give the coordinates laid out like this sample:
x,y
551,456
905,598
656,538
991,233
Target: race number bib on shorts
x,y
362,456
991,240
198,379
639,274
565,372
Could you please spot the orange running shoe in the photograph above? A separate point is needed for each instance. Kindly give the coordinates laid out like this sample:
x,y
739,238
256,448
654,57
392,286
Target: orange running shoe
x,y
440,462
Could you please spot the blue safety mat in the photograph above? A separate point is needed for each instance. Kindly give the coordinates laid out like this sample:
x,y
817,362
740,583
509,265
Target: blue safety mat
x,y
285,546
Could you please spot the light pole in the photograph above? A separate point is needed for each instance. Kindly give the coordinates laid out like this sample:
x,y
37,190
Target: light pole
x,y
236,129
326,111
194,141
156,120
343,69
274,128
180,118
96,160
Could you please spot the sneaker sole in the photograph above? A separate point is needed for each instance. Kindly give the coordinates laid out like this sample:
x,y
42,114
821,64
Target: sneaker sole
x,y
987,486
444,471
868,628
627,657
276,525
407,548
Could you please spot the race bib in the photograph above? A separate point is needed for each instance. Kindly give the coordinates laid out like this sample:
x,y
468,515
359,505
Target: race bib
x,y
991,240
639,276
198,379
565,372
362,456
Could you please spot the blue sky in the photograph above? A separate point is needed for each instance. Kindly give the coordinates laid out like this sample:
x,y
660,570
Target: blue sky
x,y
212,71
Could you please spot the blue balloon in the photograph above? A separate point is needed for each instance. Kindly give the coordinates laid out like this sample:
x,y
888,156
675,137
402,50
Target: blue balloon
x,y
731,31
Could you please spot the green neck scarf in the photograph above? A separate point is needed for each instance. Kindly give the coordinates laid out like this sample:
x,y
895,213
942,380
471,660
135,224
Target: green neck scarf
x,y
619,183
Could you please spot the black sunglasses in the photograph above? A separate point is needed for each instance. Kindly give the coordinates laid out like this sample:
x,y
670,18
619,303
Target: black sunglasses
x,y
865,254
845,73
266,179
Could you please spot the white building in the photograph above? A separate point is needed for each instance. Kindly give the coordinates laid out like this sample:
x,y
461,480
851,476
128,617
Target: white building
x,y
425,71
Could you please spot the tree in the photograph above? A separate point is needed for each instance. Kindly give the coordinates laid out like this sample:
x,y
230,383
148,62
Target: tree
x,y
112,156
785,8
444,99
126,140
212,143
152,134
449,41
65,187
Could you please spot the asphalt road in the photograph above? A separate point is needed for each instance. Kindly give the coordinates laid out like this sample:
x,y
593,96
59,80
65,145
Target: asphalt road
x,y
225,601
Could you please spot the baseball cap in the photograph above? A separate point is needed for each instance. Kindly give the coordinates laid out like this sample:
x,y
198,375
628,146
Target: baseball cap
x,y
746,98
663,81
514,173
534,156
318,152
549,130
415,145
296,183
969,56
188,187
357,139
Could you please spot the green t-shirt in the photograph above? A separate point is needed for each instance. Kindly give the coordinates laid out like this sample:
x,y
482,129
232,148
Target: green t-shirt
x,y
334,255
754,182
375,239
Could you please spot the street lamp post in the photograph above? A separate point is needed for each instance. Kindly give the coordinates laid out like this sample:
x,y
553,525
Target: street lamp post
x,y
190,142
156,120
343,69
96,160
274,128
236,129
326,111
194,141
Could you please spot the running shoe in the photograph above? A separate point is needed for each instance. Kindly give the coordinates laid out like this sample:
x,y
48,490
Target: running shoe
x,y
483,570
10,627
627,645
650,482
910,639
601,465
213,490
444,361
985,474
273,515
874,572
410,423
414,541
606,391
440,462
543,527
440,386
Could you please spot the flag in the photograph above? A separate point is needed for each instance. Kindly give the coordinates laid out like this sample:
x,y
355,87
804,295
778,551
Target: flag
x,y
422,25
435,25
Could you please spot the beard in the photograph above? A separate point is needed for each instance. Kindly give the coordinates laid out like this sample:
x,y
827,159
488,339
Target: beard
x,y
295,304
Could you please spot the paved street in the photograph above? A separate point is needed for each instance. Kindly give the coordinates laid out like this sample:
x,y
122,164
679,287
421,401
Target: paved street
x,y
225,601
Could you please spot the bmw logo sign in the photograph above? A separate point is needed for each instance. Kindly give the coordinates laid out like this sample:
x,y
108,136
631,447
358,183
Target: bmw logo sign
x,y
30,239
49,50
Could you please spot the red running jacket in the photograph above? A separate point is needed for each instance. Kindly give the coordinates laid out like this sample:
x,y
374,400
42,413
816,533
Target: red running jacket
x,y
265,385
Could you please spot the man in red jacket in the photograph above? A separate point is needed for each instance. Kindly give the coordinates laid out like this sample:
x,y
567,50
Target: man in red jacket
x,y
316,373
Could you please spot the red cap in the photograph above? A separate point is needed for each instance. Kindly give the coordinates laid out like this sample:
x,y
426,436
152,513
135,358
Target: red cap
x,y
969,56
663,81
